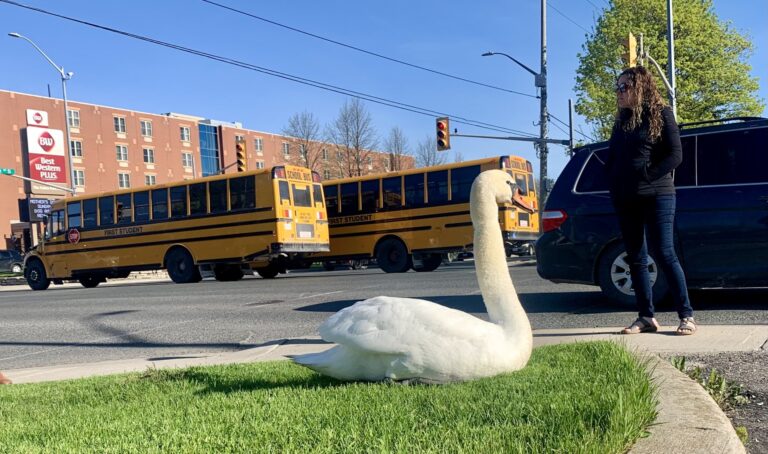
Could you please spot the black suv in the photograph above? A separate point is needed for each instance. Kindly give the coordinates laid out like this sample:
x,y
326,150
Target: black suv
x,y
11,261
721,225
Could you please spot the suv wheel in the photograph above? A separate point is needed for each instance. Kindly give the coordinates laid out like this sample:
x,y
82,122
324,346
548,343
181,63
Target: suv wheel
x,y
616,282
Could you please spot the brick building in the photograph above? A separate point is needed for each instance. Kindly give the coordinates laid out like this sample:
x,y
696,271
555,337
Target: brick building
x,y
113,148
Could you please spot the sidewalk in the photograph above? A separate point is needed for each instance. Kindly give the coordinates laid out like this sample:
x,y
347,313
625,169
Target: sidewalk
x,y
689,420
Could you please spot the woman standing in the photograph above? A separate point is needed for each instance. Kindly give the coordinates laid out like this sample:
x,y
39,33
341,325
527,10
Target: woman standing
x,y
644,149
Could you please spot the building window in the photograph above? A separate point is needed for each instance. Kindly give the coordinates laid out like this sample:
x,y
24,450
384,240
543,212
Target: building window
x,y
79,178
326,174
339,156
238,138
258,145
186,159
76,148
303,152
324,153
146,128
150,180
123,180
149,156
120,124
286,149
210,162
370,162
185,135
73,118
122,152
259,164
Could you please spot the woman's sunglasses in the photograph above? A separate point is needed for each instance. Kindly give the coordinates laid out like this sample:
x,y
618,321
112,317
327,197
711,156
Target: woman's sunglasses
x,y
622,87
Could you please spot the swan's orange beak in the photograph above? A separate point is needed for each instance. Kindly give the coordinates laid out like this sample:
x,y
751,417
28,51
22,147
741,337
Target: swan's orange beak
x,y
517,199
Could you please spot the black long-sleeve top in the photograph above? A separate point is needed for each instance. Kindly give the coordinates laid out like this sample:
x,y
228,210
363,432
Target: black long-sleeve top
x,y
639,167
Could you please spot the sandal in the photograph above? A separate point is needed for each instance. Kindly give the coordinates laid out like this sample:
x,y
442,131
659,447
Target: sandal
x,y
4,380
687,327
641,325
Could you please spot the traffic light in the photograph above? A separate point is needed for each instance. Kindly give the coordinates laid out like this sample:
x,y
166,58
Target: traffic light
x,y
443,134
7,171
242,165
630,51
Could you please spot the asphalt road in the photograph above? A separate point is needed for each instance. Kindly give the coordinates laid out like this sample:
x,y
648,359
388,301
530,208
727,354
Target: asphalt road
x,y
66,325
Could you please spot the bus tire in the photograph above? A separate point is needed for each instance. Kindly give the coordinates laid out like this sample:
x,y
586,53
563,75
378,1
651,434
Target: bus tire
x,y
35,274
429,262
181,267
269,272
228,272
89,281
392,256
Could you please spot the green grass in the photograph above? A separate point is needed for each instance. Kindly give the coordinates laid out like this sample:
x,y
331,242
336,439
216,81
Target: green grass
x,y
588,397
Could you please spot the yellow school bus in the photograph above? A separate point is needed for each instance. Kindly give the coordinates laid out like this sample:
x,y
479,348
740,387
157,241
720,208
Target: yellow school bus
x,y
409,219
259,220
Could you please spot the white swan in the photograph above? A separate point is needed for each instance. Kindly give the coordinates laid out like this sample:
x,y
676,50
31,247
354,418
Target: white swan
x,y
387,338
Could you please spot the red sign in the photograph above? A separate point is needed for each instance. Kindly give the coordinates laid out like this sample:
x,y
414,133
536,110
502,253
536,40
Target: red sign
x,y
46,141
37,117
73,236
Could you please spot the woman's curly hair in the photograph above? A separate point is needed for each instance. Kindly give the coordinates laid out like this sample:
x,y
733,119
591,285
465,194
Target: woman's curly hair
x,y
646,100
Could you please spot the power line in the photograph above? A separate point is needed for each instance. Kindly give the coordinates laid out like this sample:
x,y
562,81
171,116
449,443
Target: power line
x,y
590,2
271,72
568,18
348,46
566,125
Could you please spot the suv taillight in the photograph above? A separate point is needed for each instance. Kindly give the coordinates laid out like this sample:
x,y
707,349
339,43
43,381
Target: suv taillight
x,y
552,219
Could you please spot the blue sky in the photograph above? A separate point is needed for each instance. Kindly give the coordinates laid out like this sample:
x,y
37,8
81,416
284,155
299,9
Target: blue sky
x,y
443,35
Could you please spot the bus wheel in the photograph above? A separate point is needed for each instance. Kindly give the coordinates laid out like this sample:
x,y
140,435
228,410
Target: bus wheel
x,y
429,262
35,274
181,268
393,257
270,272
89,281
228,272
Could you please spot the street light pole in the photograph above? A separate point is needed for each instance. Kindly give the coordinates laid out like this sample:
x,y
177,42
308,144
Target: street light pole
x,y
65,76
541,83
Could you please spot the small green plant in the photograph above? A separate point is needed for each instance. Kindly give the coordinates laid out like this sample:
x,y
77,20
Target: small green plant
x,y
741,432
727,394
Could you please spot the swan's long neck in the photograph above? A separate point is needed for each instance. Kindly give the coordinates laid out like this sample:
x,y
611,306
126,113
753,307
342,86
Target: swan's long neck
x,y
499,293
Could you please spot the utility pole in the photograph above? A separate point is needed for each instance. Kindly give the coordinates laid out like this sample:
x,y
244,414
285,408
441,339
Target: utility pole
x,y
542,83
671,62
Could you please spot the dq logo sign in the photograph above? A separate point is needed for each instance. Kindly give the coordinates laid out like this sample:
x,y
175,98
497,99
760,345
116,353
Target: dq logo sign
x,y
46,141
73,236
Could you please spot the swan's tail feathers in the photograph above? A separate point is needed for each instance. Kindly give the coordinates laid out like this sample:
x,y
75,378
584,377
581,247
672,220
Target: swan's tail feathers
x,y
323,362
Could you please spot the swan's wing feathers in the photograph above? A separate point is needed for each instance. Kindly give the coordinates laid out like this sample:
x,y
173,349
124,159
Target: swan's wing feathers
x,y
395,325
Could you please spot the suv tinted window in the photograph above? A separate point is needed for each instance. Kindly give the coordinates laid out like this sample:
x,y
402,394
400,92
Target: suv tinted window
x,y
594,177
734,157
685,173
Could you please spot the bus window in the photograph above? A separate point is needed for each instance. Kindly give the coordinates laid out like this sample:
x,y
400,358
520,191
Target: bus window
x,y
369,191
159,204
141,201
107,210
302,196
317,193
218,192
178,201
437,187
242,193
124,209
89,213
531,188
332,200
461,182
392,193
57,222
521,182
198,203
285,192
349,198
414,190
73,215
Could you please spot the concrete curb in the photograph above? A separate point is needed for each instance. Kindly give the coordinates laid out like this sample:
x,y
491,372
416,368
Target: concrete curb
x,y
688,420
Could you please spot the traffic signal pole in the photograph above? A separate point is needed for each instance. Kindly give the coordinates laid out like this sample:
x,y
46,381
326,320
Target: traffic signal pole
x,y
541,82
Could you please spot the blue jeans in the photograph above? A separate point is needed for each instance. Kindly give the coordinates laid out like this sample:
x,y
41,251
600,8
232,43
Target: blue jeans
x,y
655,217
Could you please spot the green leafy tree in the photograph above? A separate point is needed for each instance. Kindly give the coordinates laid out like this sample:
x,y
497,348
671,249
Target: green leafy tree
x,y
711,61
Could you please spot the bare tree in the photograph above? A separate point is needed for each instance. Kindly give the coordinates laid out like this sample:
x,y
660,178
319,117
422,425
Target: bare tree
x,y
353,136
396,145
304,132
458,156
427,154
